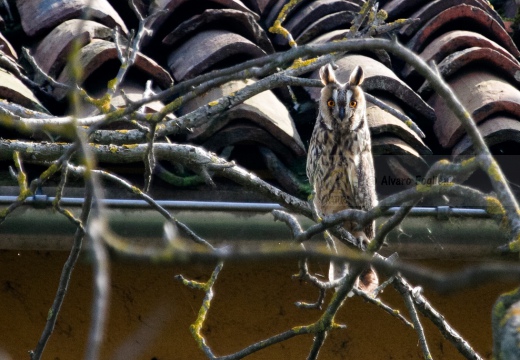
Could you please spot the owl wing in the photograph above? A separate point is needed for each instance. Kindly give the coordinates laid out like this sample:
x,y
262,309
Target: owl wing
x,y
366,196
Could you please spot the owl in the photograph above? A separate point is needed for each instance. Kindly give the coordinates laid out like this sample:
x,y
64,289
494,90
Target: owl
x,y
340,165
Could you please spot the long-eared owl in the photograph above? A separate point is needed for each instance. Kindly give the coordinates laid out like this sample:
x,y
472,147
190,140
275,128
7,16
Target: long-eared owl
x,y
340,166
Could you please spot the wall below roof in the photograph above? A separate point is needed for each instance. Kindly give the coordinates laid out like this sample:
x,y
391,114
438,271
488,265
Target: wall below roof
x,y
426,233
150,312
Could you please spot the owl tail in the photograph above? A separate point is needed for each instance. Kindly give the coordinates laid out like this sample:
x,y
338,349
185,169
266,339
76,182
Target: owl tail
x,y
368,281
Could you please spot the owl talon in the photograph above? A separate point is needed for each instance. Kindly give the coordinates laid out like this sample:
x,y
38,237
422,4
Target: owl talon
x,y
362,243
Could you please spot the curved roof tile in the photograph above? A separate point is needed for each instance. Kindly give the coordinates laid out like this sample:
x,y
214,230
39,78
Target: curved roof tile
x,y
490,58
495,131
168,7
242,22
264,110
39,16
12,89
329,22
453,41
382,122
98,52
52,52
474,19
312,13
206,49
431,9
483,94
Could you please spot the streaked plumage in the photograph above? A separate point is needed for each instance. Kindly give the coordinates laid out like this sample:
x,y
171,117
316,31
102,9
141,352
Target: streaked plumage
x,y
339,163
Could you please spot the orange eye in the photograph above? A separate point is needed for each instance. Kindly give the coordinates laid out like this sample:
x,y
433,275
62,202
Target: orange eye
x,y
331,103
353,104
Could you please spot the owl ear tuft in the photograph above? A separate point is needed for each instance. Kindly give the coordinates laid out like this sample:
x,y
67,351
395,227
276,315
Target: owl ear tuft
x,y
327,75
356,76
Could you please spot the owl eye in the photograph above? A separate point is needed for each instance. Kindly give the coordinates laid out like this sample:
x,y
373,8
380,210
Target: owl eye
x,y
353,104
331,103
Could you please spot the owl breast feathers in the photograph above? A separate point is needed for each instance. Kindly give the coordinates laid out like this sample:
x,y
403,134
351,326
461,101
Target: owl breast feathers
x,y
339,163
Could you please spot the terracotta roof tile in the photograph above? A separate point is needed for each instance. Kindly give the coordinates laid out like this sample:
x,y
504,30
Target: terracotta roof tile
x,y
99,52
334,21
241,21
314,12
496,130
7,48
450,42
208,48
264,110
474,19
382,122
170,8
483,94
12,89
39,16
53,51
433,8
462,38
491,59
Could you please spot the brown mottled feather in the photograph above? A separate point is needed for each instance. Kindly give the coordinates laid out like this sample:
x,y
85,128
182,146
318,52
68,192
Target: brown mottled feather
x,y
339,163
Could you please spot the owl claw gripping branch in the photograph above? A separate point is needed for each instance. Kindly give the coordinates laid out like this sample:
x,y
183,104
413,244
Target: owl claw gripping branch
x,y
340,166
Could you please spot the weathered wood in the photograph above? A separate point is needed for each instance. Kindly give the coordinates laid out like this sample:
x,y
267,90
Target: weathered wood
x,y
52,53
264,110
206,49
97,53
464,17
39,16
221,18
482,94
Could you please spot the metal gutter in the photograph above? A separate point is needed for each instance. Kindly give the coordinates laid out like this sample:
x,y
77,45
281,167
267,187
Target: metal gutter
x,y
428,232
41,201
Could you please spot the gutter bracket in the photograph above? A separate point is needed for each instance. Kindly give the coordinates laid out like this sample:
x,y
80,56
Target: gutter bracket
x,y
443,212
39,199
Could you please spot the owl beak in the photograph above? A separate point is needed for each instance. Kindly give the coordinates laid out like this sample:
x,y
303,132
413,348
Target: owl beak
x,y
341,113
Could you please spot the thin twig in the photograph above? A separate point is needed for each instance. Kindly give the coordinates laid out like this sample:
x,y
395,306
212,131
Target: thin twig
x,y
380,304
438,320
63,285
133,189
417,325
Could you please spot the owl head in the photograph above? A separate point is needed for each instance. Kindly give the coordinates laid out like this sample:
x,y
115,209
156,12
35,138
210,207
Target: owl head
x,y
342,106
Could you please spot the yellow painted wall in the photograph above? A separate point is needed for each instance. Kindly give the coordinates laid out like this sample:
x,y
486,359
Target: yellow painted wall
x,y
150,313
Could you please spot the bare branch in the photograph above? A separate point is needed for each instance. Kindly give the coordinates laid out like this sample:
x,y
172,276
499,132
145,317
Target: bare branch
x,y
63,285
386,308
417,325
438,320
25,192
196,327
